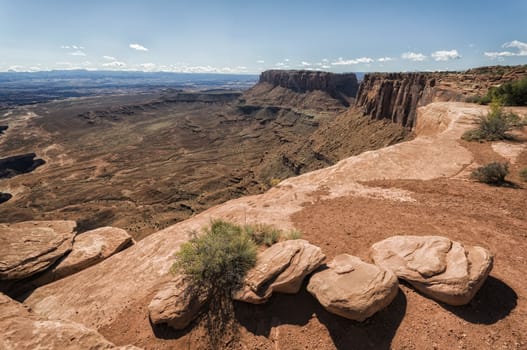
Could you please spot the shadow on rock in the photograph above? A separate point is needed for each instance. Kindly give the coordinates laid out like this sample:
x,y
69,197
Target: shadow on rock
x,y
376,332
493,302
164,331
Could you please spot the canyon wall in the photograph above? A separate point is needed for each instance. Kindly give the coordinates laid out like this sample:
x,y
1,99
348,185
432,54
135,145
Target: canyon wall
x,y
302,81
396,96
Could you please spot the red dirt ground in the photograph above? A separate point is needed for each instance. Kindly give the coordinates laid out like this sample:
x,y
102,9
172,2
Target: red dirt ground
x,y
472,213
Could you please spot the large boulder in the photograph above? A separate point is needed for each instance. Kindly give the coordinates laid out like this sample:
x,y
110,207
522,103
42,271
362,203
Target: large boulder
x,y
280,268
440,268
27,248
22,329
352,288
91,247
176,303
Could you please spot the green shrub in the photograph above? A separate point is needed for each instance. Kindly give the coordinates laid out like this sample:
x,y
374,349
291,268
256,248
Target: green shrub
x,y
523,174
293,234
494,126
263,234
493,173
218,260
512,93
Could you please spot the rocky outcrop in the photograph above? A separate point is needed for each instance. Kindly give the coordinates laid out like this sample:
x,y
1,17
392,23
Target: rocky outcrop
x,y
176,303
396,96
302,81
20,164
89,248
27,248
280,268
440,268
352,288
22,329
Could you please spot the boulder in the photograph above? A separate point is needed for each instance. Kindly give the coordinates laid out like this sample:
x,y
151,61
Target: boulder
x,y
440,268
27,248
280,268
91,247
176,303
22,329
352,288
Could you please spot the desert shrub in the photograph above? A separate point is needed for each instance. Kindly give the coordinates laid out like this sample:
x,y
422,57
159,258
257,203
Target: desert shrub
x,y
512,93
274,182
523,174
293,234
493,173
218,260
493,126
263,234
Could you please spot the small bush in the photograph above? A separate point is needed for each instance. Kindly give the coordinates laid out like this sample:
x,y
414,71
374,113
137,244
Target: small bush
x,y
523,174
293,234
512,93
274,182
494,126
219,259
493,173
263,234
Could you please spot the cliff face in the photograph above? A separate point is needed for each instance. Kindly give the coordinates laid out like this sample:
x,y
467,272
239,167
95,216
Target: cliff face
x,y
318,92
396,96
302,81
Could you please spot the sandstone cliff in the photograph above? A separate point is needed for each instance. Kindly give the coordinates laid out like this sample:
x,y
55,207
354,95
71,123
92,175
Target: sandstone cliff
x,y
396,96
302,81
306,90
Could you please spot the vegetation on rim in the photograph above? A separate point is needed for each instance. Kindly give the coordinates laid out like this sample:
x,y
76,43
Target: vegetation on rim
x,y
493,173
495,125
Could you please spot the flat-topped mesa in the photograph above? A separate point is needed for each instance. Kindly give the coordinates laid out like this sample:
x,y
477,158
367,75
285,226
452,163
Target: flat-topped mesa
x,y
304,80
396,96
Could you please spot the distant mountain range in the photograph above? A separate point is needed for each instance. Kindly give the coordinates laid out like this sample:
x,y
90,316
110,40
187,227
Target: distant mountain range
x,y
19,88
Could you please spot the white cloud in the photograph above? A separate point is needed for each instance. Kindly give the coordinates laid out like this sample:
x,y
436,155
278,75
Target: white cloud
x,y
138,47
148,67
515,44
326,67
385,59
413,56
260,61
305,64
498,55
78,53
109,58
114,64
522,47
72,47
343,62
444,55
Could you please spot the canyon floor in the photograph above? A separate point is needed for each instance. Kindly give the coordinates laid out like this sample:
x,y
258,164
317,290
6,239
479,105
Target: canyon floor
x,y
143,162
417,187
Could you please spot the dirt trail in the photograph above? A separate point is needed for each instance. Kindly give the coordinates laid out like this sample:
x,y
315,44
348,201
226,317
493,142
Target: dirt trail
x,y
410,189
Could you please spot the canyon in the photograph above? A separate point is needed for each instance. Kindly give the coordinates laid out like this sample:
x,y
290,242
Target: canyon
x,y
347,164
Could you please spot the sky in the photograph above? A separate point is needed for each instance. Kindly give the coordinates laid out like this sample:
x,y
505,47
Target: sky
x,y
251,36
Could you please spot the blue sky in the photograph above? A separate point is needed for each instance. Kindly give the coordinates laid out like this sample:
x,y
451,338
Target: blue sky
x,y
250,36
